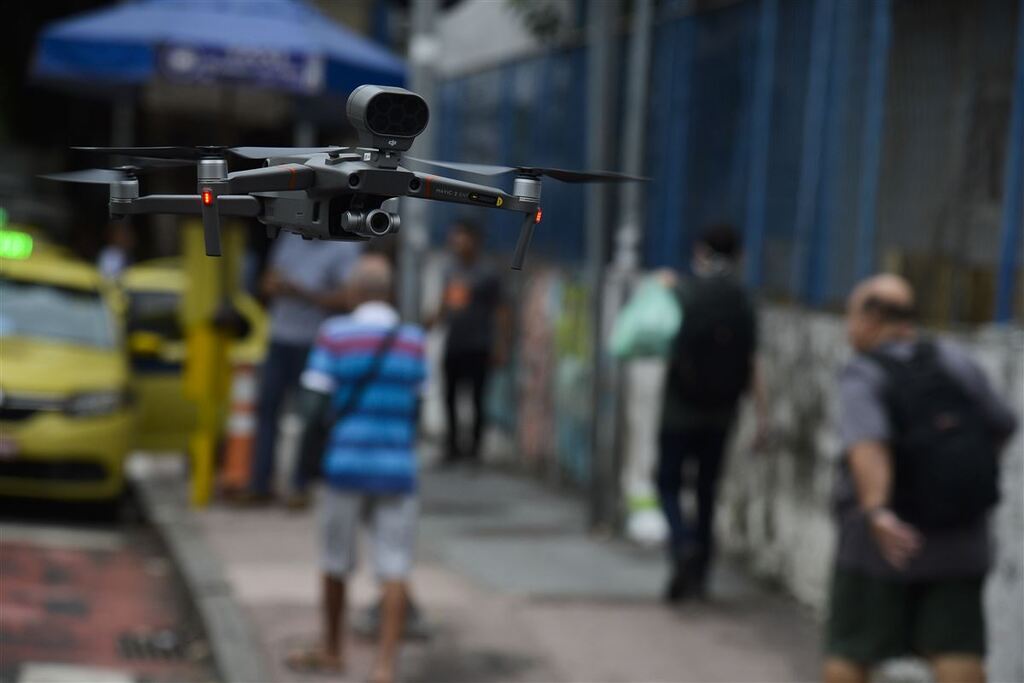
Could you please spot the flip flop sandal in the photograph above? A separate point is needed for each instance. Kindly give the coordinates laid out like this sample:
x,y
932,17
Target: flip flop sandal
x,y
312,662
373,679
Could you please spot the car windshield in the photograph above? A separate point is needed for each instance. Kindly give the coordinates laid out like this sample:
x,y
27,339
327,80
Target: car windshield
x,y
155,312
33,309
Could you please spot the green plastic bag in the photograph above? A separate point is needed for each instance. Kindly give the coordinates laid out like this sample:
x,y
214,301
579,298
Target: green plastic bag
x,y
648,323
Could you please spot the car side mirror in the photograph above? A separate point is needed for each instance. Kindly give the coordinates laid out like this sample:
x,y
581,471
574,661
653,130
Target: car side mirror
x,y
145,343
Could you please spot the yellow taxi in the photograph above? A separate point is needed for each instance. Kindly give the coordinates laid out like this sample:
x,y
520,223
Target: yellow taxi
x,y
66,410
154,291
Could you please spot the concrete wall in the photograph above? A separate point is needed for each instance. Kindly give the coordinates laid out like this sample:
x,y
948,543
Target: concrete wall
x,y
537,420
774,508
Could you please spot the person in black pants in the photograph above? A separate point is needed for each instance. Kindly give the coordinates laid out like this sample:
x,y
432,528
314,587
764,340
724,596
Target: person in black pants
x,y
304,284
692,545
462,370
712,364
477,322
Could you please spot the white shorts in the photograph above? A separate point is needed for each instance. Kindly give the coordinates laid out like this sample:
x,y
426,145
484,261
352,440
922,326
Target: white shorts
x,y
392,522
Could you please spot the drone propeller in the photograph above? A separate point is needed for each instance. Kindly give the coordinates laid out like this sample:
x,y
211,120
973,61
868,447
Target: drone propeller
x,y
101,176
105,176
176,153
268,152
92,176
487,170
146,164
563,175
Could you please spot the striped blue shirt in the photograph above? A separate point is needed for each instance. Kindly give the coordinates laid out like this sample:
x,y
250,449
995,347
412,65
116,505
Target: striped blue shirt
x,y
373,448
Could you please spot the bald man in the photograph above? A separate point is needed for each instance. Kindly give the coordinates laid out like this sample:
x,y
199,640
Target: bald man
x,y
921,430
365,375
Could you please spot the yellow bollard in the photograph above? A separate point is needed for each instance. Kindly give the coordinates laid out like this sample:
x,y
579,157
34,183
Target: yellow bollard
x,y
211,281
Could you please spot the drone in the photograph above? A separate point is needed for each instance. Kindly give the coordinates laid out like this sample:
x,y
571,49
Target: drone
x,y
327,193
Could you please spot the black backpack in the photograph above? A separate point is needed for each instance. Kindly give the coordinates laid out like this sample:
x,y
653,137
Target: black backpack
x,y
711,359
945,460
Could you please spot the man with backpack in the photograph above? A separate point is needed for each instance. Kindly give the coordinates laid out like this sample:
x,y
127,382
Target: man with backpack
x,y
712,364
921,431
362,384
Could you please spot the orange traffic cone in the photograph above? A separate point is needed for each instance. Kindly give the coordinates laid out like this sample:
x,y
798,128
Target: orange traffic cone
x,y
241,432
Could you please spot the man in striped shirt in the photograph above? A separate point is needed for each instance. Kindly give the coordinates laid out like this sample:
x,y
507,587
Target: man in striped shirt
x,y
370,458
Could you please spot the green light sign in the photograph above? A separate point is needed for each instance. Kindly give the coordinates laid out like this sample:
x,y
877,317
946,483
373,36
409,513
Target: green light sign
x,y
15,245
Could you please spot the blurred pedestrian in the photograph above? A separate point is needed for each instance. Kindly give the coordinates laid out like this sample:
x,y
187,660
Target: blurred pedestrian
x,y
303,283
921,430
711,365
478,323
118,253
366,373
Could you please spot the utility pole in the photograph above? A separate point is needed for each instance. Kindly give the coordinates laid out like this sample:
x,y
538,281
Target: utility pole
x,y
414,236
610,428
631,214
602,18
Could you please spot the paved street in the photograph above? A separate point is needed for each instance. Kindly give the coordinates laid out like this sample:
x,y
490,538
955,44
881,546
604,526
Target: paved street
x,y
85,599
515,590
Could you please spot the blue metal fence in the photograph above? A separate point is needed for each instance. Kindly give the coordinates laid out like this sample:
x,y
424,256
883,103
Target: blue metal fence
x,y
521,113
771,115
1013,197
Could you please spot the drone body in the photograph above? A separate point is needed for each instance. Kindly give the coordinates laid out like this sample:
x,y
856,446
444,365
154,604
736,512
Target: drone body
x,y
328,193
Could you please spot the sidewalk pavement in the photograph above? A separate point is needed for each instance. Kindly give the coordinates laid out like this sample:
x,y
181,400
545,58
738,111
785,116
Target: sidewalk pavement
x,y
516,590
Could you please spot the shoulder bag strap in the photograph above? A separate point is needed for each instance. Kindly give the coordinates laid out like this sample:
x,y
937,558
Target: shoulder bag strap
x,y
332,417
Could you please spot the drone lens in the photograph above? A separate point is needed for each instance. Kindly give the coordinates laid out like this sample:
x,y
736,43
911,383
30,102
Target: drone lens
x,y
380,222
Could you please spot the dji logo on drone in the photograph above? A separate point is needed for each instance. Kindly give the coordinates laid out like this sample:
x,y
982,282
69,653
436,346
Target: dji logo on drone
x,y
392,142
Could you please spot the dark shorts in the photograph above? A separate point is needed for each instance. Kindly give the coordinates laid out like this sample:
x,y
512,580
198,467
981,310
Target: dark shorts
x,y
872,619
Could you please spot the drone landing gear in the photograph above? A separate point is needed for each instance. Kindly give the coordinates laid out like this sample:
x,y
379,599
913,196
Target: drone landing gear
x,y
211,222
530,222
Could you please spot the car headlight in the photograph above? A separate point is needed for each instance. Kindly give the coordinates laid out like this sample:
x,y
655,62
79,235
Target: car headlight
x,y
96,403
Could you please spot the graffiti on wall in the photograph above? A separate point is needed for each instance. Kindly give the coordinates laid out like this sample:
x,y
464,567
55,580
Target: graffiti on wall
x,y
553,376
535,360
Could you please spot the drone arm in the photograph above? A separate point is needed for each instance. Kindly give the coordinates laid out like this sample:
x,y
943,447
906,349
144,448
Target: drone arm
x,y
193,204
281,178
460,192
187,204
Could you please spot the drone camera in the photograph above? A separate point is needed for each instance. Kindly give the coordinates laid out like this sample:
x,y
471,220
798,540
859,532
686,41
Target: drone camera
x,y
387,118
379,222
375,223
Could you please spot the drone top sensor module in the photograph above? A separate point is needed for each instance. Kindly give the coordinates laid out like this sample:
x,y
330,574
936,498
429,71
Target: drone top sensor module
x,y
328,193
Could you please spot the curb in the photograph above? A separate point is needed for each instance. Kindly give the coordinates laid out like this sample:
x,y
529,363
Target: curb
x,y
237,653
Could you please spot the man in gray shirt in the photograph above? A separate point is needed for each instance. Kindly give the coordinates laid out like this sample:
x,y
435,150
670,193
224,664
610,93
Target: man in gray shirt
x,y
901,589
304,283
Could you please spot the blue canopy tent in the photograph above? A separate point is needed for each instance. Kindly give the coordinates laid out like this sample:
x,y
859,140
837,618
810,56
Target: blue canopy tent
x,y
285,45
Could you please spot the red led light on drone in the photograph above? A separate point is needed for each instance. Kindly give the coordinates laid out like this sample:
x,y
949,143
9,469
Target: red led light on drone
x,y
537,216
207,197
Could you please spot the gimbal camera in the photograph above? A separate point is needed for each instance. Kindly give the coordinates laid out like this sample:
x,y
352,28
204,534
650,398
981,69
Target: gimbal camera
x,y
327,193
